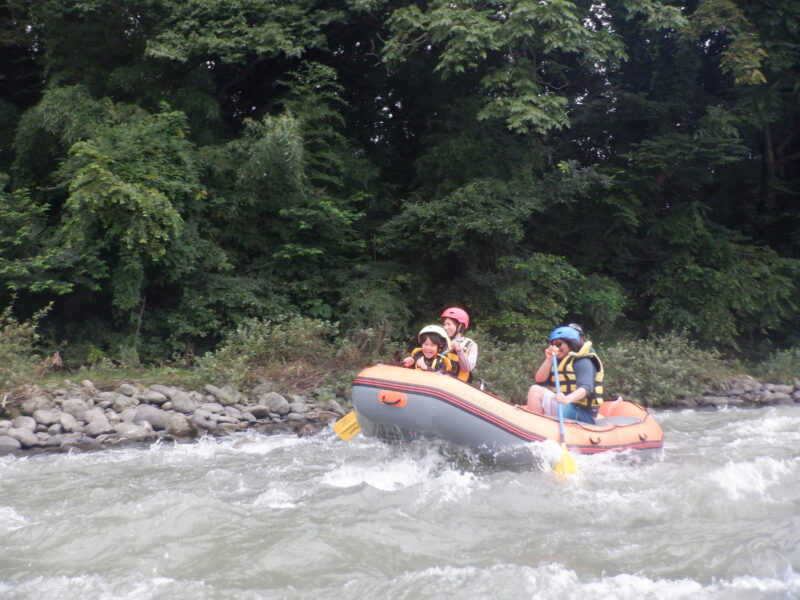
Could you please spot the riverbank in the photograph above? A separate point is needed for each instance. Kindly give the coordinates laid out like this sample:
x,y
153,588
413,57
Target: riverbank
x,y
80,417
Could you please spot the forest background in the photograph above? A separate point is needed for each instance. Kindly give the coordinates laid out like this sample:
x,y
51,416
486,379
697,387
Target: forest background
x,y
186,180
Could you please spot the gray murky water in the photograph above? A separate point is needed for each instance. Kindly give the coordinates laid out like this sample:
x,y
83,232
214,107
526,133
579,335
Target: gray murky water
x,y
717,516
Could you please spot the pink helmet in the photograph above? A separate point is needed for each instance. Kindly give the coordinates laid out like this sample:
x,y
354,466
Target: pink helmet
x,y
457,314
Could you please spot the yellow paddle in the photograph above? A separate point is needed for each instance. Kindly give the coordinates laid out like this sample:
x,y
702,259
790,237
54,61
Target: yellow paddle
x,y
566,465
347,426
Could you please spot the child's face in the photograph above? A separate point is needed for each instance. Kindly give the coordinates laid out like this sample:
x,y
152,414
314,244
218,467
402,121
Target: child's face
x,y
450,327
429,348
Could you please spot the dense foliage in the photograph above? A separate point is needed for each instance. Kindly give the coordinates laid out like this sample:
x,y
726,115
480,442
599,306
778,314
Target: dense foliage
x,y
172,170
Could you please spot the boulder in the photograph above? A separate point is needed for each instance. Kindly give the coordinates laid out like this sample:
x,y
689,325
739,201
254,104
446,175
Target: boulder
x,y
68,422
258,411
31,405
47,417
158,418
165,390
181,427
298,407
26,437
88,387
226,395
76,407
335,407
122,401
128,389
202,419
9,444
131,431
152,396
274,402
98,425
183,403
28,423
212,407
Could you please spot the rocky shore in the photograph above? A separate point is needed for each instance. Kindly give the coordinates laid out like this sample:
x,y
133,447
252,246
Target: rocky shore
x,y
80,417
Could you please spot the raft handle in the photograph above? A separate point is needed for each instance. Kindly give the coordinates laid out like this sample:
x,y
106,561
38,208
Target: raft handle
x,y
390,398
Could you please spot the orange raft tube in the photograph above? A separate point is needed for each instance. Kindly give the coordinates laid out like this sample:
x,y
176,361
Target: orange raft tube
x,y
395,403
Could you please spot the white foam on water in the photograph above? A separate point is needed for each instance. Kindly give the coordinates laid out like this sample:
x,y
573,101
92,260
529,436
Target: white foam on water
x,y
754,478
277,496
393,474
555,582
11,520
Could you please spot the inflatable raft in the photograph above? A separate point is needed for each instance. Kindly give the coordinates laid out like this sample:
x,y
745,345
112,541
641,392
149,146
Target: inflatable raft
x,y
395,403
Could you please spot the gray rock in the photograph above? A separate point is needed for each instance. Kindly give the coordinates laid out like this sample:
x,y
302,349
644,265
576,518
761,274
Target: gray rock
x,y
28,423
128,389
164,390
152,396
263,388
234,412
76,407
225,395
158,418
55,429
122,401
334,406
203,419
181,427
293,416
183,403
224,419
274,402
298,407
131,431
26,437
98,426
258,411
9,444
71,440
53,441
88,387
31,405
47,417
127,415
213,407
108,397
779,388
796,396
94,413
777,398
6,424
69,423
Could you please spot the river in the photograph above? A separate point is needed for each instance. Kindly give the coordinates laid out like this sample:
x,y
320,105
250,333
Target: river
x,y
716,516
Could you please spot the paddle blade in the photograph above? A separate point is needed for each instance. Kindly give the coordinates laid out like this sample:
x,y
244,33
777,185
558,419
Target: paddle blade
x,y
347,426
566,466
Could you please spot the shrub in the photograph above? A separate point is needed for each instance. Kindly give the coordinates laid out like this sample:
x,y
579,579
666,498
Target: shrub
x,y
18,357
298,353
660,370
780,367
507,368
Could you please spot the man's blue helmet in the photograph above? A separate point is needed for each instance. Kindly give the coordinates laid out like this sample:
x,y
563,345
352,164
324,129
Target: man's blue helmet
x,y
565,333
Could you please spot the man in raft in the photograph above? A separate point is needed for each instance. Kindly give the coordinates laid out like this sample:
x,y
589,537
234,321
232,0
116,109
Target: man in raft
x,y
580,375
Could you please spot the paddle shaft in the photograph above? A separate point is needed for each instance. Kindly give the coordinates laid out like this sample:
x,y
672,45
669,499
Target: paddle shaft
x,y
560,406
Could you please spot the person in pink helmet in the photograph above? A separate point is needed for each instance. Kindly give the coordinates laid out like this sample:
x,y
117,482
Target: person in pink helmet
x,y
455,322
